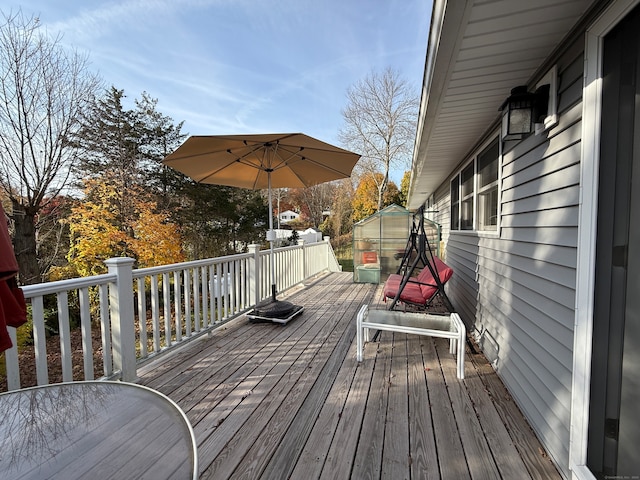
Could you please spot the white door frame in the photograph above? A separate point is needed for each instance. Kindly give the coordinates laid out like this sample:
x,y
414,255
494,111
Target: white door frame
x,y
585,281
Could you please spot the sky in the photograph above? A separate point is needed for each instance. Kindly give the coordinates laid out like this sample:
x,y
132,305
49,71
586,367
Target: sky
x,y
242,66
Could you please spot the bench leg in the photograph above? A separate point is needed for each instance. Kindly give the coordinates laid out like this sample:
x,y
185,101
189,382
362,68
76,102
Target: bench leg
x,y
460,343
359,332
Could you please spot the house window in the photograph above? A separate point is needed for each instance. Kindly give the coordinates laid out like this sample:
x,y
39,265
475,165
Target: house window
x,y
455,203
466,197
474,193
488,188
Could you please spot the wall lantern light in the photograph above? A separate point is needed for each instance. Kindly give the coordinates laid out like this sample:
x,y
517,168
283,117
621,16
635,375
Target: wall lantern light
x,y
522,110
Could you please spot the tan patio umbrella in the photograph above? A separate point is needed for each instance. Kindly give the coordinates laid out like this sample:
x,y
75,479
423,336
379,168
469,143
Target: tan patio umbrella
x,y
262,161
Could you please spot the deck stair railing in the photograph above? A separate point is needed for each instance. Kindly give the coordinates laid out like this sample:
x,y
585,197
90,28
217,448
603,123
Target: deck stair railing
x,y
129,316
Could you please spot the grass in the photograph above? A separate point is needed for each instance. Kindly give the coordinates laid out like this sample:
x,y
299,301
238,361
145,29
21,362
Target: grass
x,y
347,264
345,257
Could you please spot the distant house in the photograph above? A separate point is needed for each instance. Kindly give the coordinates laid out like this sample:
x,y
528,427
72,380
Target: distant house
x,y
542,229
288,216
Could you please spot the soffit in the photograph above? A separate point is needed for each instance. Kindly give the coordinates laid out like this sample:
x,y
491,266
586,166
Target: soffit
x,y
478,50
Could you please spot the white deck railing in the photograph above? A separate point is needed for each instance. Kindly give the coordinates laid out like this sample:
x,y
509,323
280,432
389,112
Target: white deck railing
x,y
141,313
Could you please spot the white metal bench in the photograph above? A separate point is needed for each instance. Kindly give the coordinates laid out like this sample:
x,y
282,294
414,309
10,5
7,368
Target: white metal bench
x,y
444,326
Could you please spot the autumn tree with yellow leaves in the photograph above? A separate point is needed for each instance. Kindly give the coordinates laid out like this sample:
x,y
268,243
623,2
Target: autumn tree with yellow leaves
x,y
118,214
365,198
100,229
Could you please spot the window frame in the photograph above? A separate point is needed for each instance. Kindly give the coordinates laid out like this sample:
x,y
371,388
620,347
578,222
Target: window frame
x,y
454,195
474,219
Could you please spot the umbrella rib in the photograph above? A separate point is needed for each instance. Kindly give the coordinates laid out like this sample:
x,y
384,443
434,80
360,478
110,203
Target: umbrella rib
x,y
239,159
289,162
284,162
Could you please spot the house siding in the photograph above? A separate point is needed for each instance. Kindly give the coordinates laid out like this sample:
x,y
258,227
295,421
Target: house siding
x,y
515,289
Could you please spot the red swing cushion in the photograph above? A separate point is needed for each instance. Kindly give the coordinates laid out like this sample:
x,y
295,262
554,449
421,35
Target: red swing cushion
x,y
420,289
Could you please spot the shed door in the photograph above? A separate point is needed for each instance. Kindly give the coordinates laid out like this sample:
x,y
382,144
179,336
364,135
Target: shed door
x,y
614,422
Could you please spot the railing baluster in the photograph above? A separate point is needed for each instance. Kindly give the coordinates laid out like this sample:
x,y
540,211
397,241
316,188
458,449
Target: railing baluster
x,y
224,292
233,306
212,296
39,340
266,283
11,362
253,275
239,279
105,329
247,283
177,305
203,278
166,306
214,291
187,302
142,318
85,329
196,298
155,313
65,336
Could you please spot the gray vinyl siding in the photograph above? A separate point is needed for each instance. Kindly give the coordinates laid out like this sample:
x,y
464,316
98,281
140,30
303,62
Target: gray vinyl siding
x,y
442,213
515,289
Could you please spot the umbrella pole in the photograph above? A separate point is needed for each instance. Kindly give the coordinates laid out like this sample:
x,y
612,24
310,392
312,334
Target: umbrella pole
x,y
272,238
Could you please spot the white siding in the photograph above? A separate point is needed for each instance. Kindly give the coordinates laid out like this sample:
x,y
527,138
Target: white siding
x,y
516,290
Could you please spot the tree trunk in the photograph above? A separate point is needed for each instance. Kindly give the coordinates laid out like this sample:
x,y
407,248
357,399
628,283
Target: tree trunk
x,y
24,244
382,190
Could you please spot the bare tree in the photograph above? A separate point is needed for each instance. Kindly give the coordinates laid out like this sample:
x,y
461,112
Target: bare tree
x,y
380,124
43,91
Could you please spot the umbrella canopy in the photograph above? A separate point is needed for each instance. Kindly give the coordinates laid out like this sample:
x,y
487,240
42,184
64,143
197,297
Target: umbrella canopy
x,y
259,161
289,160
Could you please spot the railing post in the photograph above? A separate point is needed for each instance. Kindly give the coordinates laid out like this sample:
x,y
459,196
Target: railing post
x,y
304,268
122,317
329,252
254,274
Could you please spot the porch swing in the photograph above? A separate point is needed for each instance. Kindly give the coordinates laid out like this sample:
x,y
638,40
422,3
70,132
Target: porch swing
x,y
418,292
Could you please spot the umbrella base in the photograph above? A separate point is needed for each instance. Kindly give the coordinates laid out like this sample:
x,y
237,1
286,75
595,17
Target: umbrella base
x,y
277,311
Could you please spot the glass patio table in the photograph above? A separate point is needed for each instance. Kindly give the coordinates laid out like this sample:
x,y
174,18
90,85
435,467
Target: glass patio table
x,y
97,430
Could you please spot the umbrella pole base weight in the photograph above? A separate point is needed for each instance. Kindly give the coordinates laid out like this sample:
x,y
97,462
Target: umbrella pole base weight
x,y
277,311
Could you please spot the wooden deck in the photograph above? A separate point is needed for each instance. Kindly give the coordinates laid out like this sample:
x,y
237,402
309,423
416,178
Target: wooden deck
x,y
272,402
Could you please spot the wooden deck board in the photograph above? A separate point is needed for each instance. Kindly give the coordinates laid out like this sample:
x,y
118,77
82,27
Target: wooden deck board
x,y
423,453
310,434
351,400
271,401
395,452
539,466
451,459
368,461
474,443
506,457
284,415
268,423
229,444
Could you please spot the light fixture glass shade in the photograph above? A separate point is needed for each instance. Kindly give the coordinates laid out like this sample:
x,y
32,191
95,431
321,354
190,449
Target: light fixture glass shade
x,y
517,114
